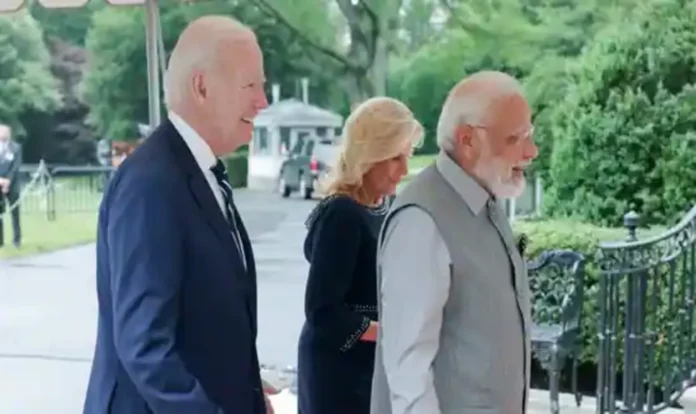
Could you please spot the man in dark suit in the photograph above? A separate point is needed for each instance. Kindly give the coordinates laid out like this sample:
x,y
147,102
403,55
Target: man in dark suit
x,y
176,281
10,160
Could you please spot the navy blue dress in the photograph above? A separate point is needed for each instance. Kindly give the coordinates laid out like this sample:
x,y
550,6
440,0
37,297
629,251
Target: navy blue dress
x,y
334,366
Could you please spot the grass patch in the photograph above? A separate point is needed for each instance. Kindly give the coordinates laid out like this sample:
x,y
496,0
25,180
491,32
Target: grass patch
x,y
76,204
418,162
40,235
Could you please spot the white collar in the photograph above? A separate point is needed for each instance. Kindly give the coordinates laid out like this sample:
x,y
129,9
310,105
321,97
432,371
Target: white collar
x,y
199,148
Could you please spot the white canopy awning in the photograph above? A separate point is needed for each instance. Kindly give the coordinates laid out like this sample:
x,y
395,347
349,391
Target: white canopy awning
x,y
152,43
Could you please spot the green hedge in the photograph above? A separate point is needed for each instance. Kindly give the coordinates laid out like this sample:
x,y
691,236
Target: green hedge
x,y
583,238
237,168
623,132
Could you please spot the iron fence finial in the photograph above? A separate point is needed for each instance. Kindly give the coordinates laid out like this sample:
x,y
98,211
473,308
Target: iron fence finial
x,y
631,223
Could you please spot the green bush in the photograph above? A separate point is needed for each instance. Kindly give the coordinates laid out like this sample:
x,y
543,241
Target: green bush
x,y
582,238
237,167
624,134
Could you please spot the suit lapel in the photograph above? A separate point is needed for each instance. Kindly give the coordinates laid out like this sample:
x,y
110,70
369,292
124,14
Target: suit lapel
x,y
211,210
200,189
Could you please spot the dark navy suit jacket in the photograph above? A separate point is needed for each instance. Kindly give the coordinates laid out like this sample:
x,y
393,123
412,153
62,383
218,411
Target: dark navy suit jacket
x,y
177,309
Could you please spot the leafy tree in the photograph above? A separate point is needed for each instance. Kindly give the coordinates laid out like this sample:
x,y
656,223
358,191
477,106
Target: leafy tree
x,y
360,54
535,40
479,36
116,93
26,83
114,85
568,27
69,25
416,24
624,134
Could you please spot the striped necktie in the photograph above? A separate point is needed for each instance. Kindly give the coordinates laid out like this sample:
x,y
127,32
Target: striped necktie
x,y
223,182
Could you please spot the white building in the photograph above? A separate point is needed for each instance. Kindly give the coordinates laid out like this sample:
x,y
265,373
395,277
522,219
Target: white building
x,y
282,127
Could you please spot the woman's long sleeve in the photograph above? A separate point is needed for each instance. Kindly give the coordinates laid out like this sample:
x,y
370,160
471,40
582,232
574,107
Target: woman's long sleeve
x,y
335,248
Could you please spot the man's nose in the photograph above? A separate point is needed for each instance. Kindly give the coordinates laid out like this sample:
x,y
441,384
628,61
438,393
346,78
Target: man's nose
x,y
531,151
262,101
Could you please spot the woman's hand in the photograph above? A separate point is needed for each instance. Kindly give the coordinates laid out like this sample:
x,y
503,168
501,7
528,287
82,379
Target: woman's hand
x,y
370,334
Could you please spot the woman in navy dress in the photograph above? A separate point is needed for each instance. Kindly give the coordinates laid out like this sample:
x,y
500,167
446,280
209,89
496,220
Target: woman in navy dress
x,y
337,343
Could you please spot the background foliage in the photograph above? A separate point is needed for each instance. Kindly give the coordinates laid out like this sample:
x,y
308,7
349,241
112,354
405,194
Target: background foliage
x,y
26,83
626,122
609,81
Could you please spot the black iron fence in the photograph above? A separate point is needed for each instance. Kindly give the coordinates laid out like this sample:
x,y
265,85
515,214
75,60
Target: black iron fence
x,y
52,190
647,348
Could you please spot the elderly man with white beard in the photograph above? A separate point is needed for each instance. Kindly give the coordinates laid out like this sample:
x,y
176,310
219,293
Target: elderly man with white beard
x,y
454,298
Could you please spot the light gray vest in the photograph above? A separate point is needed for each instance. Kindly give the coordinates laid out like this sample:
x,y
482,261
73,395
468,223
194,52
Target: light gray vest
x,y
482,365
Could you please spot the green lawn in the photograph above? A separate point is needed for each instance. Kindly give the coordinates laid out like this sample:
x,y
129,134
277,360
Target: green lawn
x,y
419,161
41,235
75,220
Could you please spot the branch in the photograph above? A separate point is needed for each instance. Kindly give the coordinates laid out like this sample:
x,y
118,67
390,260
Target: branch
x,y
373,14
355,20
471,28
271,11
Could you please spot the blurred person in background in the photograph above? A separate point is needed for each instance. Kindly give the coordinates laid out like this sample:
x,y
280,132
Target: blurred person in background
x,y
10,161
337,342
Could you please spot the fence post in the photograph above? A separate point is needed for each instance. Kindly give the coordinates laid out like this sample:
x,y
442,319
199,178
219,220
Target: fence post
x,y
51,200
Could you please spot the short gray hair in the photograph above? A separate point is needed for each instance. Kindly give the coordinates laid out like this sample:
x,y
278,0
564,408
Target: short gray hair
x,y
188,57
472,108
180,68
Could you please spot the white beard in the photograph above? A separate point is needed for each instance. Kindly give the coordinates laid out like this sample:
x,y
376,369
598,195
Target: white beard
x,y
498,176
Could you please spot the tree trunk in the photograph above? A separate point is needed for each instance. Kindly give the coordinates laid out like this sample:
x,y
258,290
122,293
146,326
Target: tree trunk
x,y
369,49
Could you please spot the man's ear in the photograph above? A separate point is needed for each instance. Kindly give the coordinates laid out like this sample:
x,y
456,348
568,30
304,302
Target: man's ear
x,y
199,87
465,136
465,140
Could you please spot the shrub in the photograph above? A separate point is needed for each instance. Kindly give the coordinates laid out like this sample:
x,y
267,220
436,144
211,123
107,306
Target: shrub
x,y
623,136
237,167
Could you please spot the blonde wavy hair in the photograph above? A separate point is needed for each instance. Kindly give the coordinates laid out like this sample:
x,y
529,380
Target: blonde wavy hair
x,y
376,130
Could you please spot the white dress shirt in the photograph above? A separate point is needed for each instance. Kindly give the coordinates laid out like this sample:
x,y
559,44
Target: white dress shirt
x,y
201,153
412,340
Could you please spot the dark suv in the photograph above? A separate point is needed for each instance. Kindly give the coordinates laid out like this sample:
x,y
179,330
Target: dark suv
x,y
304,167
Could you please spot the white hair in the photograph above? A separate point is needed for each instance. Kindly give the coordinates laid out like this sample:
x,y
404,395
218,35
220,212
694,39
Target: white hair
x,y
188,57
472,108
182,64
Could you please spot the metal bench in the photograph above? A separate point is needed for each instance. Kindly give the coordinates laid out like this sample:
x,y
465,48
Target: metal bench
x,y
556,280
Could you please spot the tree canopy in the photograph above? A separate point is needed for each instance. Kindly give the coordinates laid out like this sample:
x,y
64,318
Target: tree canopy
x,y
25,79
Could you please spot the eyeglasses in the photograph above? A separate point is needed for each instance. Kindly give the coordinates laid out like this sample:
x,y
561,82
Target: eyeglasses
x,y
525,133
